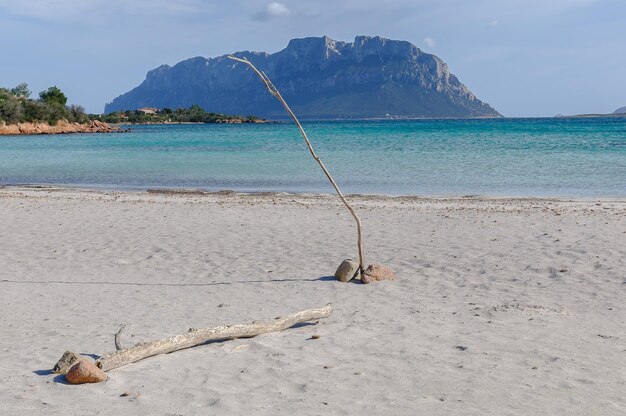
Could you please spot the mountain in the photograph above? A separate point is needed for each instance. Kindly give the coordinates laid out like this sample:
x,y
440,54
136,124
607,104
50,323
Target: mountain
x,y
620,111
320,78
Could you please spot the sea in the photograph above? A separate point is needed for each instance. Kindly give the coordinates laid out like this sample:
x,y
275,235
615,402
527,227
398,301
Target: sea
x,y
561,157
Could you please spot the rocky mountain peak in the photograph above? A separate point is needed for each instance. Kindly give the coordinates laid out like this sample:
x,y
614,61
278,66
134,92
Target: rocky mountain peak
x,y
320,77
313,48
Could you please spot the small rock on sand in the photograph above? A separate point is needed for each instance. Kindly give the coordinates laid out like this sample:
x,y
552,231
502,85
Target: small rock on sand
x,y
347,270
377,272
85,372
66,362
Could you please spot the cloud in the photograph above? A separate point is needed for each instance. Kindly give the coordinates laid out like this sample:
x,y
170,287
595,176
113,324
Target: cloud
x,y
429,42
494,23
67,10
42,10
273,10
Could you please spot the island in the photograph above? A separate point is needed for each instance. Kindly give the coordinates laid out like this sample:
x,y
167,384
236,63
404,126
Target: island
x,y
620,112
321,79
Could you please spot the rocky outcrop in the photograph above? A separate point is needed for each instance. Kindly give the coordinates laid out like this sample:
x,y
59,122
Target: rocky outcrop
x,y
62,127
320,78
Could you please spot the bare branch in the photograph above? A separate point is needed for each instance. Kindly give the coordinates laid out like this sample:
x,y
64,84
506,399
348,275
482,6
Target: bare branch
x,y
274,91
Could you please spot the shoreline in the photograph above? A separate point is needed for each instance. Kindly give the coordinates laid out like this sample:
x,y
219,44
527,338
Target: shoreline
x,y
315,194
176,123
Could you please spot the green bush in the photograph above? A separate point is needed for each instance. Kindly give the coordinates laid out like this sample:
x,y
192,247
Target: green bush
x,y
11,110
35,111
16,107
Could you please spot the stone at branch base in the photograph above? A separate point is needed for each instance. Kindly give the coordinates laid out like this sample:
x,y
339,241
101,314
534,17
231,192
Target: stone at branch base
x,y
347,270
66,362
377,272
85,372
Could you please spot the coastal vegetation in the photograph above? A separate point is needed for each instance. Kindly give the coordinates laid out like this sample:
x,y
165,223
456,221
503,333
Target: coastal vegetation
x,y
50,114
16,106
193,114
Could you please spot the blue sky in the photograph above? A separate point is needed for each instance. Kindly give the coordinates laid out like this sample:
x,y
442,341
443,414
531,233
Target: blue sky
x,y
524,57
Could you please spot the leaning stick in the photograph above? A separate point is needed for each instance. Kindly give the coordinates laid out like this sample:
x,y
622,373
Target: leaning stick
x,y
195,337
274,91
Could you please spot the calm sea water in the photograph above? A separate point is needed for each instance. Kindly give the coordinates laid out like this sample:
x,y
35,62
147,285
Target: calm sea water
x,y
539,157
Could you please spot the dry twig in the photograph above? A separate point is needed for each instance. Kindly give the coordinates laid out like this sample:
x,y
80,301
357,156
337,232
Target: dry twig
x,y
274,91
118,336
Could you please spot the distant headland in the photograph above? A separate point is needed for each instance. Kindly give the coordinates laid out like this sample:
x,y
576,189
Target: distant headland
x,y
194,114
620,112
49,114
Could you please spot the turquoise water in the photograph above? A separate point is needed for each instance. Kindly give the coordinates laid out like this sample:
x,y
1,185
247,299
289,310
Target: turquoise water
x,y
509,157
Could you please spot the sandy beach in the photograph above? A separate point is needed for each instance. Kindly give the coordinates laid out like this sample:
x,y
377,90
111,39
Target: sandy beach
x,y
501,306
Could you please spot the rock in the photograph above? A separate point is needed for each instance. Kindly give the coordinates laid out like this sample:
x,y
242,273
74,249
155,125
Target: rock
x,y
85,372
347,270
66,362
131,395
377,272
62,127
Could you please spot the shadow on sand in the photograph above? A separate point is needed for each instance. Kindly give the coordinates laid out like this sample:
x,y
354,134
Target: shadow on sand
x,y
236,282
59,378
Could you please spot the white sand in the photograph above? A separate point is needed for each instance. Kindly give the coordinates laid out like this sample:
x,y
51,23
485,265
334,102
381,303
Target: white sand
x,y
535,291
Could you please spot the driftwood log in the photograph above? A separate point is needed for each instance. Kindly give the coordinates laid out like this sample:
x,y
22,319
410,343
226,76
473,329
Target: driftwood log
x,y
195,337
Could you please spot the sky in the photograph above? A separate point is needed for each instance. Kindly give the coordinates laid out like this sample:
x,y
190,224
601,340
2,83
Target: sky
x,y
524,57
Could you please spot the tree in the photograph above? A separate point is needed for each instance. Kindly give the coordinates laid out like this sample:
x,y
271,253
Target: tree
x,y
21,91
53,95
197,114
77,113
